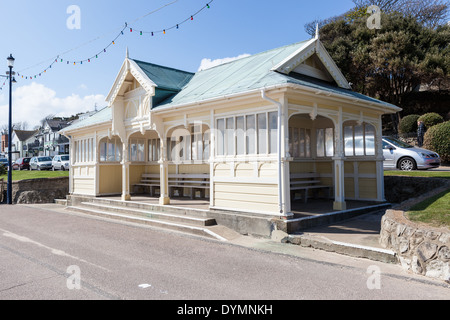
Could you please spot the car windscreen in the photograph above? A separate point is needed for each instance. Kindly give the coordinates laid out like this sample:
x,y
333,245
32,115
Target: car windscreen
x,y
44,159
398,143
65,158
26,160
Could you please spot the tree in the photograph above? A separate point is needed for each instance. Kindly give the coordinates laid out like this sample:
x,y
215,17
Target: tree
x,y
392,62
429,13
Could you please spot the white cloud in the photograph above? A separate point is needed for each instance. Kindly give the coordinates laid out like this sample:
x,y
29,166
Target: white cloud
x,y
33,102
208,63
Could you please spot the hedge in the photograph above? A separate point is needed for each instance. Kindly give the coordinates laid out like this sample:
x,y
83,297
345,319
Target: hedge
x,y
408,124
437,138
431,119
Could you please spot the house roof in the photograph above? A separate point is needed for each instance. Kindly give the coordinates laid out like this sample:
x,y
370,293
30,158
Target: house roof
x,y
267,69
260,71
165,77
24,135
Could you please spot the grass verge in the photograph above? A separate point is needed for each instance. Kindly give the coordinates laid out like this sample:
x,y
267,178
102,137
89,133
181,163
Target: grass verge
x,y
25,175
427,174
434,211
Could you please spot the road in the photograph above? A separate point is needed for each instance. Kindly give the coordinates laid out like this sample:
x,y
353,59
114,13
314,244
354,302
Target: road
x,y
47,253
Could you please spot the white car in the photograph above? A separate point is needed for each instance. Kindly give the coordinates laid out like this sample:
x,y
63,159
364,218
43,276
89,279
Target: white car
x,y
400,155
60,162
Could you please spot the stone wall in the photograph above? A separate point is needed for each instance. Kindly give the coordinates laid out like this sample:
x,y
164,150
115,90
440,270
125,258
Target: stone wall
x,y
39,190
421,249
399,188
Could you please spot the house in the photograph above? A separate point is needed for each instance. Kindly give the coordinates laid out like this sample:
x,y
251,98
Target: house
x,y
53,143
261,130
21,140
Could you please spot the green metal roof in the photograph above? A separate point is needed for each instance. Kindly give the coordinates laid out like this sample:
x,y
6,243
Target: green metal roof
x,y
177,87
251,73
164,77
233,77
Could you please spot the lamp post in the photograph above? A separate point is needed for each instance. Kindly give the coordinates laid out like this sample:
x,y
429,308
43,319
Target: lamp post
x,y
11,74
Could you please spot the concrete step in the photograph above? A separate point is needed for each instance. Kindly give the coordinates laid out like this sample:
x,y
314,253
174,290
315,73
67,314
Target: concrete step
x,y
175,217
62,202
187,228
193,212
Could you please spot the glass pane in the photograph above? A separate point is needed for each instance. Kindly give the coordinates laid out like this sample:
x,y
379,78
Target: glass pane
x,y
348,141
302,143
359,141
230,136
296,143
119,150
308,143
320,142
102,151
251,134
206,144
111,156
262,133
370,140
141,151
220,137
329,142
273,136
240,135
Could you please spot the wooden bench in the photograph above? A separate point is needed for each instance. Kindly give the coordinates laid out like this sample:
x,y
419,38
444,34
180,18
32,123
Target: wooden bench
x,y
193,182
150,181
304,182
177,183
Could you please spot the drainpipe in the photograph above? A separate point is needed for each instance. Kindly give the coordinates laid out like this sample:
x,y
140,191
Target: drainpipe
x,y
279,106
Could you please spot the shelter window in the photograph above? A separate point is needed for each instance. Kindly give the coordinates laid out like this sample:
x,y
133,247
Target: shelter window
x,y
137,150
359,140
110,150
84,150
300,142
246,135
154,149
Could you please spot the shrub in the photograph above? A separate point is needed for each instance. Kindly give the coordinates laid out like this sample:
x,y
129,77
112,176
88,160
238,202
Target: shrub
x,y
431,119
3,171
408,124
437,139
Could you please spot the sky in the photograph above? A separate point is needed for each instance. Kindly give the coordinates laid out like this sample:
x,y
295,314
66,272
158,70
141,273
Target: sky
x,y
37,33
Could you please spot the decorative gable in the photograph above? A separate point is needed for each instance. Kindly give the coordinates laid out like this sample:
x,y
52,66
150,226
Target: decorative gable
x,y
313,60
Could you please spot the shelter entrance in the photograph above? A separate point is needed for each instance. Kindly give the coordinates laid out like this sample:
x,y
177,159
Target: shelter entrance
x,y
311,147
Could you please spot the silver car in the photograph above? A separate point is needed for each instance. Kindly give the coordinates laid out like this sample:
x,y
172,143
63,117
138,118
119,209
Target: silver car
x,y
41,163
400,155
61,162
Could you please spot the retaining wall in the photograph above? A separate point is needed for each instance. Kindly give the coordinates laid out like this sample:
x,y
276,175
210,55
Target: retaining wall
x,y
421,249
44,190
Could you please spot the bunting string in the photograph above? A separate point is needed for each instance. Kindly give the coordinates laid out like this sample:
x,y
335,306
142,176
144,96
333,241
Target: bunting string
x,y
59,59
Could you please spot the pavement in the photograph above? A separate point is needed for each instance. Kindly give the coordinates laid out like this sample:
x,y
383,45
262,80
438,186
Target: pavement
x,y
356,237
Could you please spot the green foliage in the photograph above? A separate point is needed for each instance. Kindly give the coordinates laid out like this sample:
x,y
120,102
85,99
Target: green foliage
x,y
391,62
437,138
408,124
431,119
3,170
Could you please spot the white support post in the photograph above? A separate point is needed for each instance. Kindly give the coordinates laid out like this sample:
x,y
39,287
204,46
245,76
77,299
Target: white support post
x,y
339,173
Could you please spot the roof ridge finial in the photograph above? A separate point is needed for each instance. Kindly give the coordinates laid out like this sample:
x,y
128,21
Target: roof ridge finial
x,y
317,31
127,54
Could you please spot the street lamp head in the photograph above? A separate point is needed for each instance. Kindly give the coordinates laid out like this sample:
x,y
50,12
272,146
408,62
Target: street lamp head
x,y
10,61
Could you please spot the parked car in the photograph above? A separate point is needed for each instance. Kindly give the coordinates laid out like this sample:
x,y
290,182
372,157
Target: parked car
x,y
41,163
400,155
22,164
60,162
